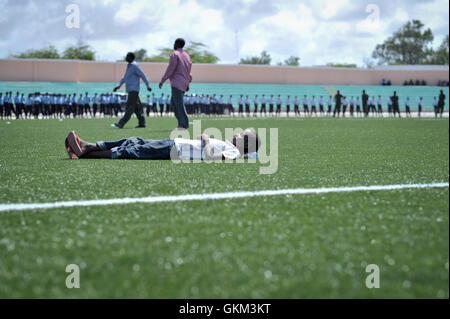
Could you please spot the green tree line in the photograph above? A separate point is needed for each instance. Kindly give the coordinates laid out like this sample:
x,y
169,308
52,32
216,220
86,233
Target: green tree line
x,y
79,51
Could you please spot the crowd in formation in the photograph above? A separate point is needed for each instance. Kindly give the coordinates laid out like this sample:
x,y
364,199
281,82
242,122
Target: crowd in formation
x,y
48,105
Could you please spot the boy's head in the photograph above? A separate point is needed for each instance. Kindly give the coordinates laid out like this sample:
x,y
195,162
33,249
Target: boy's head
x,y
179,44
247,141
130,57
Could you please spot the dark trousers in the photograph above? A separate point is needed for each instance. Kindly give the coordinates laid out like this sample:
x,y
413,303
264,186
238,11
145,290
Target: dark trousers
x,y
138,148
179,109
133,106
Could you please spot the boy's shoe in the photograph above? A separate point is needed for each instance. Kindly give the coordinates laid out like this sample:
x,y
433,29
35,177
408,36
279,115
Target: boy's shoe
x,y
74,143
116,125
69,150
140,126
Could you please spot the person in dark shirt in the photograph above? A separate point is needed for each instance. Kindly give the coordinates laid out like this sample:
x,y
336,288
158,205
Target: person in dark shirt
x,y
441,103
395,105
365,98
338,102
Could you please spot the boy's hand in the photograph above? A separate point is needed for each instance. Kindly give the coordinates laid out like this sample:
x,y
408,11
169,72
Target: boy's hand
x,y
160,85
204,138
116,88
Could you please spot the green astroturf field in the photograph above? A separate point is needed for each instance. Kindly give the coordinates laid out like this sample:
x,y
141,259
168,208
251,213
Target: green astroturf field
x,y
289,246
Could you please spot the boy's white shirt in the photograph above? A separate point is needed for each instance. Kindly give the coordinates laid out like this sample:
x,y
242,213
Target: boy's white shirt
x,y
192,149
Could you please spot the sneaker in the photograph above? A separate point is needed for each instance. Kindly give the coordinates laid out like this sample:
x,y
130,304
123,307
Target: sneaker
x,y
74,143
116,125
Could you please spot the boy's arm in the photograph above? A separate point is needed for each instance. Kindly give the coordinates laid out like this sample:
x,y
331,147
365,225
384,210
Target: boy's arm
x,y
142,76
207,149
121,82
170,69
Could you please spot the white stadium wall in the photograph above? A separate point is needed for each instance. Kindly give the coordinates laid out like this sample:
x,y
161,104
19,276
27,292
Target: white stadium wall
x,y
86,71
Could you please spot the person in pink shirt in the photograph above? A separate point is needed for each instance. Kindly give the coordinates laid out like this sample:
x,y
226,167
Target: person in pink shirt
x,y
179,74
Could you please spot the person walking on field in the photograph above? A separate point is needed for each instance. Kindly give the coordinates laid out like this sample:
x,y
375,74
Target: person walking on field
x,y
131,79
179,73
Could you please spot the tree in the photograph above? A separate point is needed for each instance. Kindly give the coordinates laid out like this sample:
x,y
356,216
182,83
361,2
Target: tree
x,y
341,65
409,45
49,52
292,61
199,54
369,63
80,51
140,55
263,59
196,50
441,55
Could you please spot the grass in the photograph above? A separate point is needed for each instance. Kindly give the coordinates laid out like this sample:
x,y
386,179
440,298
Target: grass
x,y
295,246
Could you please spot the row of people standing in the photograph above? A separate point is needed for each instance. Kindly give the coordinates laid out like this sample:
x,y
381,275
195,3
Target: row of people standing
x,y
51,105
194,104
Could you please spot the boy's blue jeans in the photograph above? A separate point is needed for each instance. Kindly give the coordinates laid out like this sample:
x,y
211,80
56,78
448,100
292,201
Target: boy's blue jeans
x,y
138,148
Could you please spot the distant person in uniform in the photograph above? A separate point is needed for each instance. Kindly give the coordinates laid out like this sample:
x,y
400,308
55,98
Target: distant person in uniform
x,y
441,104
380,106
87,104
364,99
288,105
271,104
338,101
389,103
168,104
407,108
313,105
395,104
305,105
296,104
247,105
94,104
148,105
321,110
358,106
344,105
1,106
17,105
80,103
161,103
29,106
371,105
436,106
420,106
330,105
352,106
131,79
179,73
263,105
241,105
154,104
255,103
279,102
231,104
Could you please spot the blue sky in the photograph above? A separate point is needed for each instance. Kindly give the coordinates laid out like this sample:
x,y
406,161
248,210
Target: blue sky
x,y
318,31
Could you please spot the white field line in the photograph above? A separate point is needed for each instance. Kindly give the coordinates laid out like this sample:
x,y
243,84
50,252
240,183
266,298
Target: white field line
x,y
212,196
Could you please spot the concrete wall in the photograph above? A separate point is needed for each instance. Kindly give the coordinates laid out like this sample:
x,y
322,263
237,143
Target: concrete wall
x,y
84,71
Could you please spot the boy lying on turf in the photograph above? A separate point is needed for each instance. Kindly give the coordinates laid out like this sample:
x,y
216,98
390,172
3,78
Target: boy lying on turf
x,y
202,148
